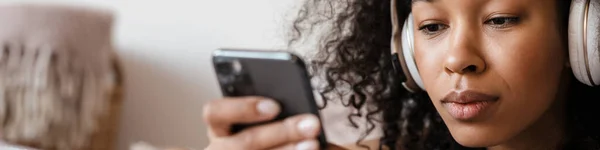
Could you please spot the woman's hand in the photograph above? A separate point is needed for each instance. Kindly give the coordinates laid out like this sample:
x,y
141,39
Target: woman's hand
x,y
293,133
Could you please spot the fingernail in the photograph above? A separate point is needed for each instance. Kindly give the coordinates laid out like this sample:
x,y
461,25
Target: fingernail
x,y
308,126
307,145
267,107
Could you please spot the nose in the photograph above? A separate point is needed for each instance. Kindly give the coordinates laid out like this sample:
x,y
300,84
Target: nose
x,y
465,53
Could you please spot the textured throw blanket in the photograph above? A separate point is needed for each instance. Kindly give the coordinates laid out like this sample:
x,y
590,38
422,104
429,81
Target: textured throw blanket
x,y
55,74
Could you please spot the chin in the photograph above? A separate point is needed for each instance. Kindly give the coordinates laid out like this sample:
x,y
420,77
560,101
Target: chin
x,y
474,143
477,138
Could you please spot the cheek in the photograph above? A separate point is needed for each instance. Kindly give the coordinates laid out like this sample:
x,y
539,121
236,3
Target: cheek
x,y
529,67
532,58
528,72
430,57
531,71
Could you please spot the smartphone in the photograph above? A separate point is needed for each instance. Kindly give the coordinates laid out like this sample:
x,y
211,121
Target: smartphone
x,y
279,75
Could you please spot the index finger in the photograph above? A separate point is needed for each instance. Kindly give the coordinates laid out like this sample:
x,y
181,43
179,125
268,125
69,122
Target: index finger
x,y
221,114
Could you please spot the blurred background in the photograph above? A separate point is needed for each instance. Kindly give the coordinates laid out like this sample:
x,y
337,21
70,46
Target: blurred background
x,y
165,47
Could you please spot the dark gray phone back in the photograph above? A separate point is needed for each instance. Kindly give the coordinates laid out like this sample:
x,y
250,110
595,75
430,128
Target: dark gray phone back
x,y
278,75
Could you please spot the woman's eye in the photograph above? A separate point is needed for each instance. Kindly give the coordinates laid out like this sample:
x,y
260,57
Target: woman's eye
x,y
502,22
432,29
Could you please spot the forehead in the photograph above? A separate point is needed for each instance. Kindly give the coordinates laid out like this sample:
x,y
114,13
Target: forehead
x,y
479,4
434,1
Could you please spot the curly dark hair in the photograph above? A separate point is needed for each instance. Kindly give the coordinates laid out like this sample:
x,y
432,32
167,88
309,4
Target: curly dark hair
x,y
354,61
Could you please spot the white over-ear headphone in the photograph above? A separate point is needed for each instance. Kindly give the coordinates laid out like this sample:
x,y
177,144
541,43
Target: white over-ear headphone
x,y
584,45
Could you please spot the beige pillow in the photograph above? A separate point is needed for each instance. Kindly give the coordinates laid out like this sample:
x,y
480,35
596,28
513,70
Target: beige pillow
x,y
55,73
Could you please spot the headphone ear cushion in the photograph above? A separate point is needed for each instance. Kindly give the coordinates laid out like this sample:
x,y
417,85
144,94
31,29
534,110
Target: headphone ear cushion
x,y
593,40
408,51
584,41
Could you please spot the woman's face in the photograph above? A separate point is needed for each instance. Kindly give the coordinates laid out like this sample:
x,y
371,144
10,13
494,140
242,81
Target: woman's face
x,y
491,67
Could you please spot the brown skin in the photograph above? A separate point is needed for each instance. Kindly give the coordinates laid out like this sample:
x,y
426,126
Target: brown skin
x,y
523,62
220,114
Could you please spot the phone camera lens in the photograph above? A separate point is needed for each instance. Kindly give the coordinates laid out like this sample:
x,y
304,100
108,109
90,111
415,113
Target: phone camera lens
x,y
236,66
229,68
224,68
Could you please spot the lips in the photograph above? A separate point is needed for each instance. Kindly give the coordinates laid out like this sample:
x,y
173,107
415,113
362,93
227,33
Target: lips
x,y
467,105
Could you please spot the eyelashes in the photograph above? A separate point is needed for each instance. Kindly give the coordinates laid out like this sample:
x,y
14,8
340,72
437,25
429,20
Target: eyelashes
x,y
499,23
502,22
432,29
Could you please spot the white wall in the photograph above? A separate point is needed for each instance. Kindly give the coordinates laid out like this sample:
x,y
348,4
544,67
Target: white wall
x,y
165,48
